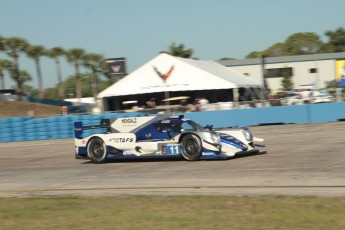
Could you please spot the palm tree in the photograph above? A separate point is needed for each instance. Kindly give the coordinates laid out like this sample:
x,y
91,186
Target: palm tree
x,y
23,77
75,57
55,53
35,52
4,65
94,62
14,46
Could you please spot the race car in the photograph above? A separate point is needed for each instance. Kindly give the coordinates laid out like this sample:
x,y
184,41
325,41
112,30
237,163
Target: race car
x,y
163,136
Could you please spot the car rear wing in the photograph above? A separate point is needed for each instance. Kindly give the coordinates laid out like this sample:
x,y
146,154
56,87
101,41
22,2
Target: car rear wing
x,y
79,128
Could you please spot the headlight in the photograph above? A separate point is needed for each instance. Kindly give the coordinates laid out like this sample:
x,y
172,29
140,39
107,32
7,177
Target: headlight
x,y
211,137
247,134
215,138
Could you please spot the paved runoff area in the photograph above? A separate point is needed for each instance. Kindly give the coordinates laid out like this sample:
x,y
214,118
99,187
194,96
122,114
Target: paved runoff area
x,y
307,159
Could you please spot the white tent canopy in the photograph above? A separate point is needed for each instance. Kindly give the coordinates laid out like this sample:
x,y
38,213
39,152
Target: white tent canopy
x,y
187,75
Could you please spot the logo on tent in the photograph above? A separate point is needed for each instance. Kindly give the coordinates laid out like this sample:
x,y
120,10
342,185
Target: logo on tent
x,y
166,75
116,68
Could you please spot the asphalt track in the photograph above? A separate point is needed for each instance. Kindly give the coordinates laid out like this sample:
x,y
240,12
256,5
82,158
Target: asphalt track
x,y
306,159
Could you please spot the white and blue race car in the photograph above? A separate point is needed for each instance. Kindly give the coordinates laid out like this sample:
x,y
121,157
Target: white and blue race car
x,y
153,136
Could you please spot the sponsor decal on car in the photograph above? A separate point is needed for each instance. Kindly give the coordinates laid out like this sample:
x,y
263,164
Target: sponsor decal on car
x,y
127,153
121,139
129,120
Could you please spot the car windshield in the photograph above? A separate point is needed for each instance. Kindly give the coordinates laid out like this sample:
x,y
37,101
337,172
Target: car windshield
x,y
191,125
178,126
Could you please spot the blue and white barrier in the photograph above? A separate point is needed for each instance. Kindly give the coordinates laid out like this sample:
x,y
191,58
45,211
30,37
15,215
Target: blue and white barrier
x,y
28,128
297,114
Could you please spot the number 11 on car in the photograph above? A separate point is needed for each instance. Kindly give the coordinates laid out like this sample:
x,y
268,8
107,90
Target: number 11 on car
x,y
173,149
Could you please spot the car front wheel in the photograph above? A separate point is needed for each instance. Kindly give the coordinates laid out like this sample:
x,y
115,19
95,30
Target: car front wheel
x,y
191,147
97,151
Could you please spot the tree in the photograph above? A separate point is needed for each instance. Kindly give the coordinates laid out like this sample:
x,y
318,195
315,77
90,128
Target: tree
x,y
70,86
4,65
29,90
86,78
75,57
94,63
226,59
302,43
296,44
2,43
331,84
180,51
22,77
35,52
336,40
254,54
14,46
53,93
275,50
55,53
287,81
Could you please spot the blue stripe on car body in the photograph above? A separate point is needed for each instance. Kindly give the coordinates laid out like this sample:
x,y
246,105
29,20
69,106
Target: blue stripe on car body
x,y
230,140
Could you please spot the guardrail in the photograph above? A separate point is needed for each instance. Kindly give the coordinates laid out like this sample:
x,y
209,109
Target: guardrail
x,y
28,128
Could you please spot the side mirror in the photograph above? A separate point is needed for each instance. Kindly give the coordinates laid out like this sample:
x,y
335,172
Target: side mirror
x,y
209,127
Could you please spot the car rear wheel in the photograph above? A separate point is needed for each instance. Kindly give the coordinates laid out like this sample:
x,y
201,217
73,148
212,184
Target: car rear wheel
x,y
97,151
191,147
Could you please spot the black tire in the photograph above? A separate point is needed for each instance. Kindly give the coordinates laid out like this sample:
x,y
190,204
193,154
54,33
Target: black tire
x,y
97,151
191,147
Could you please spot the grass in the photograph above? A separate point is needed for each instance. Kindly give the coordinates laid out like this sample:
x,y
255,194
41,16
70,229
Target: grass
x,y
173,212
20,108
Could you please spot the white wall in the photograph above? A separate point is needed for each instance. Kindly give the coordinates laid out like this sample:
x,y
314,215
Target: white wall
x,y
301,73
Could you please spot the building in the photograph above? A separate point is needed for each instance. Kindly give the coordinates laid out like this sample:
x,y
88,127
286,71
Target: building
x,y
306,70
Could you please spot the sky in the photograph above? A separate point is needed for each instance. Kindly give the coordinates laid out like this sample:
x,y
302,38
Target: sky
x,y
140,29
